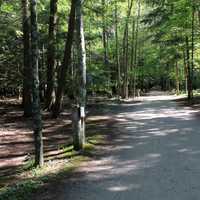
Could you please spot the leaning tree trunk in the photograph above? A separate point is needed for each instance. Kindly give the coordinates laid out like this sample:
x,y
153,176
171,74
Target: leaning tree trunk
x,y
66,62
37,119
27,97
51,62
79,113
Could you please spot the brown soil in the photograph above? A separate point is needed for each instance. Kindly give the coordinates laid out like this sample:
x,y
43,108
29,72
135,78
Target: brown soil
x,y
16,136
194,104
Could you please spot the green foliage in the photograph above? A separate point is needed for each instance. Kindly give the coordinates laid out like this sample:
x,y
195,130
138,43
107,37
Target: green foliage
x,y
20,191
163,26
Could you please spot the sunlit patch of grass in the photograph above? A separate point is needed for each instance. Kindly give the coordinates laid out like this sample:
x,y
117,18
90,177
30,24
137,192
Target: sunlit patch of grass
x,y
96,139
38,177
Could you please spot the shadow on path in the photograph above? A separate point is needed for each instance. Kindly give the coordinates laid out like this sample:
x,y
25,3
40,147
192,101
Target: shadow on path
x,y
155,156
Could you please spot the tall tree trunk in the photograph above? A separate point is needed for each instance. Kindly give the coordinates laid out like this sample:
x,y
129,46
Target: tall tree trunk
x,y
27,94
79,132
189,78
104,35
117,50
125,53
193,50
51,62
37,119
66,62
185,71
177,79
132,57
136,46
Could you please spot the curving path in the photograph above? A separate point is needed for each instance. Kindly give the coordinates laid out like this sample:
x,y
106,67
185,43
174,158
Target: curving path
x,y
156,156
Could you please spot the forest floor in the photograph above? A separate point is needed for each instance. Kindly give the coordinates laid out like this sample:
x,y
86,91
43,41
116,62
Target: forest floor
x,y
151,150
156,155
17,142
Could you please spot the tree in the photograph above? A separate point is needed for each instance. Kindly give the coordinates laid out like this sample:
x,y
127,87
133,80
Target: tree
x,y
117,59
104,34
66,61
51,61
27,96
79,115
37,118
125,63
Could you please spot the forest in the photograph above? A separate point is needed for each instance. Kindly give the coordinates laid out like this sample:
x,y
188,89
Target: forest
x,y
77,76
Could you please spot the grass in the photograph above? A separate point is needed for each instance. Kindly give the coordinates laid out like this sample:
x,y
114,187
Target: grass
x,y
38,177
35,178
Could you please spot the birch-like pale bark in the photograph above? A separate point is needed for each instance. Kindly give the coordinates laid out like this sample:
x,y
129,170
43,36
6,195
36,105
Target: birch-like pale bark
x,y
79,111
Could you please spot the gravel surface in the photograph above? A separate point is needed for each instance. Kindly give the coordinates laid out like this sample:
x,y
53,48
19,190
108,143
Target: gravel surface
x,y
156,156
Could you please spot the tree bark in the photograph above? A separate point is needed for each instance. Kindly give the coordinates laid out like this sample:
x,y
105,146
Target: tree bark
x,y
51,54
66,62
177,79
27,94
189,77
193,50
185,71
136,47
79,134
117,50
132,57
125,53
104,35
37,119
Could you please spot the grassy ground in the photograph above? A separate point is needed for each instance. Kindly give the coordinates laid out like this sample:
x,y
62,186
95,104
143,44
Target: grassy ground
x,y
36,178
18,179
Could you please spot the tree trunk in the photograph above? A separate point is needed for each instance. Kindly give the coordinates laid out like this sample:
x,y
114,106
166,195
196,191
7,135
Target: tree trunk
x,y
37,119
136,46
104,35
66,62
193,50
185,71
177,79
189,78
27,94
79,133
117,50
51,62
125,53
132,58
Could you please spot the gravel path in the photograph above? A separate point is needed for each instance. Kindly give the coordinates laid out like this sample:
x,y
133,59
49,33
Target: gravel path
x,y
156,157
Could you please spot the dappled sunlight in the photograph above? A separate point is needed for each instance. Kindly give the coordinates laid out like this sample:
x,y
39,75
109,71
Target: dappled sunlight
x,y
163,132
114,166
122,188
156,142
